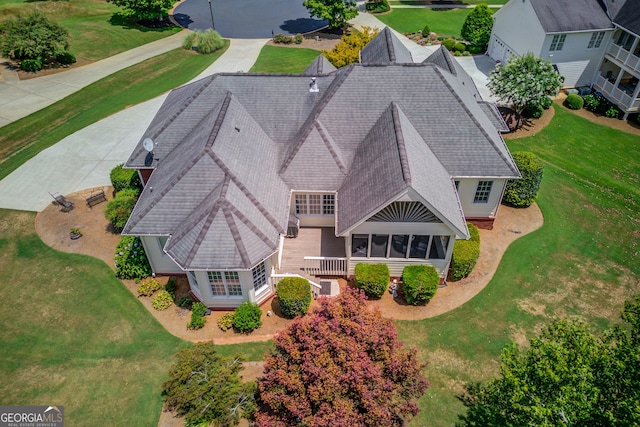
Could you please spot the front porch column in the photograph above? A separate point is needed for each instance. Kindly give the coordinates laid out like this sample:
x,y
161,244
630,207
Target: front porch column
x,y
632,49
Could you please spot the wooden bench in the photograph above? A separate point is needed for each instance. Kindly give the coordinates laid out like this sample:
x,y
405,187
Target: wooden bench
x,y
95,198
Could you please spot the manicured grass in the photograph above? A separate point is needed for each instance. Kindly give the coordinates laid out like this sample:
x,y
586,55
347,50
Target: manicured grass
x,y
277,59
23,139
74,335
96,28
254,351
444,22
582,263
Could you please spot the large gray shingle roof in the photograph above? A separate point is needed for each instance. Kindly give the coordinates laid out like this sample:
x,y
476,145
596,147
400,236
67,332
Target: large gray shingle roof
x,y
625,13
230,148
558,16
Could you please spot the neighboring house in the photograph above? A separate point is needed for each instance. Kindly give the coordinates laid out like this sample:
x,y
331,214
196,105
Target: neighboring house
x,y
385,160
590,42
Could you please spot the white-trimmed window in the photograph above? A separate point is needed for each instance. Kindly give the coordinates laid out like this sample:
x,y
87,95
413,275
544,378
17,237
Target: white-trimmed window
x,y
557,42
259,274
596,40
225,283
315,204
483,191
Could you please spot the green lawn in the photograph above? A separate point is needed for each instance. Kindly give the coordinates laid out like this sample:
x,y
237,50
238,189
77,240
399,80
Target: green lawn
x,y
445,22
73,335
277,59
23,139
96,28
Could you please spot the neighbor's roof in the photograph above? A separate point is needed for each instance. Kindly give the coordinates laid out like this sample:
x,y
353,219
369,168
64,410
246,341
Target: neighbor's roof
x,y
230,148
625,13
558,16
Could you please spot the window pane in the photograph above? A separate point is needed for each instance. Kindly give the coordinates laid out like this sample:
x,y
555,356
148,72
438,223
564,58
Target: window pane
x,y
439,247
328,204
359,245
399,245
483,191
419,246
301,204
216,282
259,276
233,283
379,245
314,204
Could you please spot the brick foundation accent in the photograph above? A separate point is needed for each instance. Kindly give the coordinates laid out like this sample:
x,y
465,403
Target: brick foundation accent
x,y
483,223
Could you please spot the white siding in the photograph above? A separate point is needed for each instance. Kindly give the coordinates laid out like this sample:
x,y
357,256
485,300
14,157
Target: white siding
x,y
575,61
517,26
467,191
160,262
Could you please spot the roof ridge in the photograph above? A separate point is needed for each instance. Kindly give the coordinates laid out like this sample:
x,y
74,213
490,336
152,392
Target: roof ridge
x,y
390,48
210,216
219,119
306,127
402,149
235,233
249,224
508,161
330,144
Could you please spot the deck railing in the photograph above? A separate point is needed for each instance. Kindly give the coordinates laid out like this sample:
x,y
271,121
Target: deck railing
x,y
624,56
615,94
325,266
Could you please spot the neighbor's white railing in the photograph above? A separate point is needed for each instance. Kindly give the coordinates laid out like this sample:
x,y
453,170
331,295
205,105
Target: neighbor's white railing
x,y
325,266
275,278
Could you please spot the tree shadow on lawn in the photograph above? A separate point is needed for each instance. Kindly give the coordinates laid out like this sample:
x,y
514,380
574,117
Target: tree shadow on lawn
x,y
121,20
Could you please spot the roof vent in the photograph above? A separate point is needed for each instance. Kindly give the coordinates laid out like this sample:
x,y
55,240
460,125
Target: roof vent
x,y
313,85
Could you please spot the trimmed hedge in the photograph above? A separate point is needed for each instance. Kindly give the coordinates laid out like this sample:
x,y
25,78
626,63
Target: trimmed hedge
x,y
378,6
65,58
198,320
247,317
464,259
148,287
534,111
474,234
521,193
131,261
225,322
118,210
574,101
294,296
449,43
162,300
122,178
373,279
419,283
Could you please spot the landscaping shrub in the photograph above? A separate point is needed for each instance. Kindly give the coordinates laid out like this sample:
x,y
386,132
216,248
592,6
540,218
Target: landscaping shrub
x,y
465,256
282,39
477,26
474,234
521,193
299,38
459,47
475,49
545,102
378,6
294,296
65,58
198,320
419,283
533,111
426,30
122,178
347,51
171,286
225,322
118,210
185,302
449,43
574,101
591,103
148,287
131,261
612,112
247,317
190,40
162,300
373,279
31,65
209,42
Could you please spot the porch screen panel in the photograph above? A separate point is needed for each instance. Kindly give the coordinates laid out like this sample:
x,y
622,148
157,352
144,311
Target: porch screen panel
x,y
419,246
359,245
379,245
399,245
439,247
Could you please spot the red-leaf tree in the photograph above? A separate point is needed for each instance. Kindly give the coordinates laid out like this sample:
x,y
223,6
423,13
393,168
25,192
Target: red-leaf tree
x,y
343,365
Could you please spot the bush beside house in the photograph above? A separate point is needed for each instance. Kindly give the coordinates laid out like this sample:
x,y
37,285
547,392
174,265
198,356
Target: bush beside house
x,y
521,193
419,283
247,317
294,296
373,279
131,261
198,320
465,254
122,178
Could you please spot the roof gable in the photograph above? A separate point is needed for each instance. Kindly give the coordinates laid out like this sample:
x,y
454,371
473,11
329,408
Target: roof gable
x,y
385,48
319,66
559,16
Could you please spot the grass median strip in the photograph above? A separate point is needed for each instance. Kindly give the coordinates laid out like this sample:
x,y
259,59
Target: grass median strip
x,y
277,59
23,139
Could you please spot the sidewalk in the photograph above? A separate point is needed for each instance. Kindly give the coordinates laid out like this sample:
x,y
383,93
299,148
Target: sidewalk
x,y
19,98
85,158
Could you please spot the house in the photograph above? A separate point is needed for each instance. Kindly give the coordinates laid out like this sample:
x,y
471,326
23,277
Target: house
x,y
383,160
591,43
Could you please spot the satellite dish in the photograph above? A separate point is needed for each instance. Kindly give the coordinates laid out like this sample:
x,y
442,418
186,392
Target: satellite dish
x,y
148,144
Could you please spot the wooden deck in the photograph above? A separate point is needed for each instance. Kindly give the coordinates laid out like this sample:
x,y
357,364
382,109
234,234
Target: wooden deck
x,y
311,241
